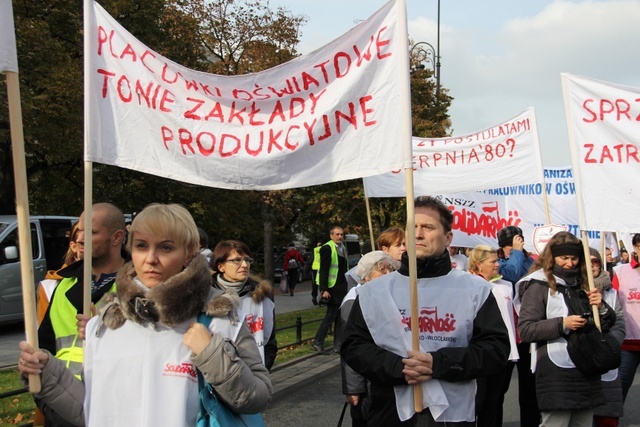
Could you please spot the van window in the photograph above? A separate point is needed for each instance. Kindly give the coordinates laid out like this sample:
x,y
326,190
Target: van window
x,y
12,240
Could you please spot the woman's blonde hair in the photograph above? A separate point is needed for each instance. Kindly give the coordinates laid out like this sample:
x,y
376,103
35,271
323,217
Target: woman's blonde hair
x,y
479,254
170,220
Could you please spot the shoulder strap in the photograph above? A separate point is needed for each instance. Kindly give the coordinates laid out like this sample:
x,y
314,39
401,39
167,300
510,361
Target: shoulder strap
x,y
205,319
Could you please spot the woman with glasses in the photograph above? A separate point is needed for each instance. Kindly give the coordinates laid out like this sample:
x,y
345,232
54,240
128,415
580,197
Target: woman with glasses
x,y
231,262
554,300
626,280
483,262
354,386
607,415
143,349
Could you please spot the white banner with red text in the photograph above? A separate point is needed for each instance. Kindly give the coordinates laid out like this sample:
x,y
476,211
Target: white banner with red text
x,y
506,153
8,54
603,120
327,116
478,216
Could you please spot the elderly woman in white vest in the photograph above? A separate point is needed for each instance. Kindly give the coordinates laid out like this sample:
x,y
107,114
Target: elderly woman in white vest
x,y
143,349
354,386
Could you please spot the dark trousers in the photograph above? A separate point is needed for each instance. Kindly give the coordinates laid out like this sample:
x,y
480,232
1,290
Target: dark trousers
x,y
529,412
292,278
314,287
490,397
331,317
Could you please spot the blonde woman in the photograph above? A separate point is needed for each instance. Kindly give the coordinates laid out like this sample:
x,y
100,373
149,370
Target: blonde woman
x,y
483,262
143,349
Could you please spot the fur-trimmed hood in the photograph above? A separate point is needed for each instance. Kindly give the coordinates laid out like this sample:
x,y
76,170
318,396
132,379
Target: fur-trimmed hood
x,y
174,301
256,287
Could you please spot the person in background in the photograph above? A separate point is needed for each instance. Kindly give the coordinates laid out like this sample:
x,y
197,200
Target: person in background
x,y
204,244
392,242
459,261
293,262
46,287
231,262
58,332
462,336
627,282
143,350
566,396
354,386
332,284
608,415
483,261
315,266
515,262
612,261
624,256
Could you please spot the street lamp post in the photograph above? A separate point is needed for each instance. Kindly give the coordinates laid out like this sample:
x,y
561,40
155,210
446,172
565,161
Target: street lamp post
x,y
425,52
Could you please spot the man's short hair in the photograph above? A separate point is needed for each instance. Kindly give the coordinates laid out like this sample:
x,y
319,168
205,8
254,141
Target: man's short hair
x,y
446,216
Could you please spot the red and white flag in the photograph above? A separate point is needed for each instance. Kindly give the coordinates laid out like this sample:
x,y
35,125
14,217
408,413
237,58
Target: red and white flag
x,y
327,116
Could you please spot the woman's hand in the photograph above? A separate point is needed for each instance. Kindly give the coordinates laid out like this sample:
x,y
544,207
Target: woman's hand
x,y
417,367
197,337
574,322
31,360
595,297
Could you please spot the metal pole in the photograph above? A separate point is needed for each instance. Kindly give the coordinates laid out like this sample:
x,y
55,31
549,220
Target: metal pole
x,y
438,55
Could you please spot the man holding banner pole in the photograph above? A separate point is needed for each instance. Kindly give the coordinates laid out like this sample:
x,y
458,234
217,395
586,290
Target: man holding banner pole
x,y
461,333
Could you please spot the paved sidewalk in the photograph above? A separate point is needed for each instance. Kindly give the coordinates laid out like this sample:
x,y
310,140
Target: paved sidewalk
x,y
301,299
298,373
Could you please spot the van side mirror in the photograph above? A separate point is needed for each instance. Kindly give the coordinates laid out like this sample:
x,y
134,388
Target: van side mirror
x,y
11,253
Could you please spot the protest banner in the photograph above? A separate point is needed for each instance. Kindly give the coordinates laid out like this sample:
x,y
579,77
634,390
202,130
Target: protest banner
x,y
319,118
9,65
505,154
604,138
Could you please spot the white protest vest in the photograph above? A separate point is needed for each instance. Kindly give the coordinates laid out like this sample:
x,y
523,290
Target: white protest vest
x,y
351,295
611,298
260,325
629,292
143,377
502,291
448,306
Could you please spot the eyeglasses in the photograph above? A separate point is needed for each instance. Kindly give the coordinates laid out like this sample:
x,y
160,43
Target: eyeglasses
x,y
594,261
637,246
386,268
238,261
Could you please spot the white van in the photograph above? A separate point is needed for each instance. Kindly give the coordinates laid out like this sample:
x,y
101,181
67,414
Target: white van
x,y
49,243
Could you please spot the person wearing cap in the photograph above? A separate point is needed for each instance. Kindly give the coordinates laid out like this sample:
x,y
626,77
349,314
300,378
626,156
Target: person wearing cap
x,y
354,386
461,333
513,258
552,302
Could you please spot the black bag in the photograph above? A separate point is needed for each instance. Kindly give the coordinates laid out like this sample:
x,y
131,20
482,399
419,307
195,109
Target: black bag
x,y
594,353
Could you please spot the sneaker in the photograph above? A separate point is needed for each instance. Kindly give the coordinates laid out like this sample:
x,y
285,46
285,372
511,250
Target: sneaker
x,y
317,347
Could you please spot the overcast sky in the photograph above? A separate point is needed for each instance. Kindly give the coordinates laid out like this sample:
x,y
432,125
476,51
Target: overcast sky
x,y
500,57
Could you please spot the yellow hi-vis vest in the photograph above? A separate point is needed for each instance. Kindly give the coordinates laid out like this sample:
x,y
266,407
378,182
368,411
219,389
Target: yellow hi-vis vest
x,y
315,265
69,347
333,268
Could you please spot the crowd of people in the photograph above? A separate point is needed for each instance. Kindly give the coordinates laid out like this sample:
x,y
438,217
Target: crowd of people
x,y
482,312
